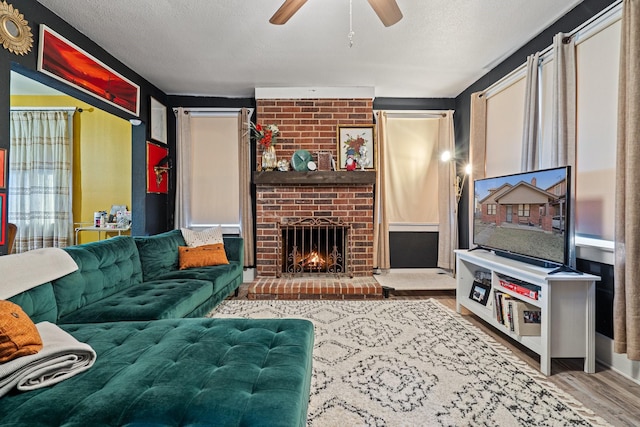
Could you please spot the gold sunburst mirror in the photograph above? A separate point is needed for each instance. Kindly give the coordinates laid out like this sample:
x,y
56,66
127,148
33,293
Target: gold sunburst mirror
x,y
15,33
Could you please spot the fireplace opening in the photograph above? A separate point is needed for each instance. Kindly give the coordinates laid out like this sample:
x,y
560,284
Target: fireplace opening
x,y
313,246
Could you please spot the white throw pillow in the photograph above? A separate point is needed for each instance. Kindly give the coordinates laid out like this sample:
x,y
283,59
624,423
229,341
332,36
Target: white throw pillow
x,y
210,236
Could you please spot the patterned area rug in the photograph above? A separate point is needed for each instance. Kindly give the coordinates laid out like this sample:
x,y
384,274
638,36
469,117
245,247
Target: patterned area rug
x,y
414,363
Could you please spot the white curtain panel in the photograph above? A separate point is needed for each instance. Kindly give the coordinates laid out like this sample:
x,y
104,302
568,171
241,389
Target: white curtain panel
x,y
447,206
477,149
626,302
246,202
563,129
381,258
183,168
530,131
40,168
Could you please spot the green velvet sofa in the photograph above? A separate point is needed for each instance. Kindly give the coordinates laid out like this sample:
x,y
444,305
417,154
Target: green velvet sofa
x,y
137,278
164,370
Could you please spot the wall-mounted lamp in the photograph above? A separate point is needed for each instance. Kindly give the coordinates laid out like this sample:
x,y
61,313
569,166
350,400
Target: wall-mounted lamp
x,y
162,168
446,156
135,122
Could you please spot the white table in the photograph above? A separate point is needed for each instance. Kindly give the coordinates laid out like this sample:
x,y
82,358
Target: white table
x,y
100,230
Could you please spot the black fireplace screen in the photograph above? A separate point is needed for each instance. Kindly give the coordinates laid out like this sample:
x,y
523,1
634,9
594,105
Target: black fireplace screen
x,y
313,246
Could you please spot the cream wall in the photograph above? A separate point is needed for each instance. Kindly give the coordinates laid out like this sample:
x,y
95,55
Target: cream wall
x,y
101,157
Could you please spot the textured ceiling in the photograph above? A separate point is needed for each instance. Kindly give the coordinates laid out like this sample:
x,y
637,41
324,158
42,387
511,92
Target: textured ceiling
x,y
228,47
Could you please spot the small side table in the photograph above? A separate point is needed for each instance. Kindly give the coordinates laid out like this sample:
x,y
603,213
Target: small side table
x,y
100,230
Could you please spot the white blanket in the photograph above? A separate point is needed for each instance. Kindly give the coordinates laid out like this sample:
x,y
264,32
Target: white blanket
x,y
21,272
61,357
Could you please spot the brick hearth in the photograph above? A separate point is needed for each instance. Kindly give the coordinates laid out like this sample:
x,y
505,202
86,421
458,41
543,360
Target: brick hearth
x,y
315,288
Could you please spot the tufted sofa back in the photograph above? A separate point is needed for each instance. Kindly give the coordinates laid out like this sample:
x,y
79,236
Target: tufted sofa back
x,y
159,253
39,303
105,267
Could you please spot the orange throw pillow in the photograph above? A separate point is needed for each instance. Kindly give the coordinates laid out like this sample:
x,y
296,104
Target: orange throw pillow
x,y
201,256
18,335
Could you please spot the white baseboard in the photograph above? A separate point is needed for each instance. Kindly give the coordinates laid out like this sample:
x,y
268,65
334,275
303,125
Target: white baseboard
x,y
615,361
248,275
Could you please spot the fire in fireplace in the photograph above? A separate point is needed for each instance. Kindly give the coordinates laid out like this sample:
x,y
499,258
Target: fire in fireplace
x,y
313,246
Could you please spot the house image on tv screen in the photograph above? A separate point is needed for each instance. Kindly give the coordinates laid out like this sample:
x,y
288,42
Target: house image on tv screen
x,y
524,204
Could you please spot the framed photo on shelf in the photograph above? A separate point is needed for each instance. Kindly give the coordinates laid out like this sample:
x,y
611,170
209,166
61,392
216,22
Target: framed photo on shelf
x,y
66,62
480,292
3,168
357,142
158,121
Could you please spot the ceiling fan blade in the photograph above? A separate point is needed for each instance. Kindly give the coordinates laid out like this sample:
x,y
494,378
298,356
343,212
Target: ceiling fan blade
x,y
387,10
286,11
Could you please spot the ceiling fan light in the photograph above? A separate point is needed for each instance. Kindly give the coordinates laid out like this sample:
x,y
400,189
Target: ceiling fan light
x,y
286,11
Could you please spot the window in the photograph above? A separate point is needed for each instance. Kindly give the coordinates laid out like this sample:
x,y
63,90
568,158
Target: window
x,y
597,68
215,192
412,171
523,210
505,115
491,209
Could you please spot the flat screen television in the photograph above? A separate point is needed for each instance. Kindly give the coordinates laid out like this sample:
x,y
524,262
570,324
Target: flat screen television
x,y
525,216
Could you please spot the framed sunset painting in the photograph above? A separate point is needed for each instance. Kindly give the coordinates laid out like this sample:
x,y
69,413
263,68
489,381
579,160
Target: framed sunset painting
x,y
66,62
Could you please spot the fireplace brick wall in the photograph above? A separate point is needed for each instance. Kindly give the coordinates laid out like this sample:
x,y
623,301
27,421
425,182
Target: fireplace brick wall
x,y
311,124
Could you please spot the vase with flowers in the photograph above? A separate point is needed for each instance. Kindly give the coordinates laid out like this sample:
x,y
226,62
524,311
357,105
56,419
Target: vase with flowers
x,y
266,136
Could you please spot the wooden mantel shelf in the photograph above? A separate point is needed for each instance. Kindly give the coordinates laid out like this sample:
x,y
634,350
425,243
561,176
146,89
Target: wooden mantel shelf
x,y
314,178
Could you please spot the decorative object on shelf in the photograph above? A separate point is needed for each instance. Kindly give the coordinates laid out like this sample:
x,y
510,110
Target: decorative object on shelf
x,y
351,139
480,292
15,33
283,165
66,62
300,160
351,163
312,165
364,160
158,166
325,160
269,158
158,121
265,135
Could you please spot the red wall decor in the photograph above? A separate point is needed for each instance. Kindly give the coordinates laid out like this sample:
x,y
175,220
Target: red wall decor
x,y
157,169
64,61
3,168
3,214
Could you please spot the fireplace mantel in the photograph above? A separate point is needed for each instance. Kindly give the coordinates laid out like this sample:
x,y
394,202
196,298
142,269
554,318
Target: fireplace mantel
x,y
315,178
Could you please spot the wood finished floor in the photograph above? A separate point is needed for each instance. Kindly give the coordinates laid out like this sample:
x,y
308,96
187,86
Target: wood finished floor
x,y
610,395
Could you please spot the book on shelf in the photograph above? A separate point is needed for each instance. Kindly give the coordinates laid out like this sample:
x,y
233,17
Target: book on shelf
x,y
522,288
516,315
502,313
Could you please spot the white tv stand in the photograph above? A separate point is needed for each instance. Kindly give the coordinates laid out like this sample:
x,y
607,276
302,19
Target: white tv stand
x,y
567,305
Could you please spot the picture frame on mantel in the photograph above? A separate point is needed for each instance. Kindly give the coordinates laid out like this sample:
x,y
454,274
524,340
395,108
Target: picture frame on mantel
x,y
358,140
158,121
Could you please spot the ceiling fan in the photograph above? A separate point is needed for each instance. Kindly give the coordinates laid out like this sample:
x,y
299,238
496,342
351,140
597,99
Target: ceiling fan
x,y
387,10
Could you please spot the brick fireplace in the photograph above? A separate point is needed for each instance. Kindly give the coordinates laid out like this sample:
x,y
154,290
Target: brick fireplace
x,y
311,124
